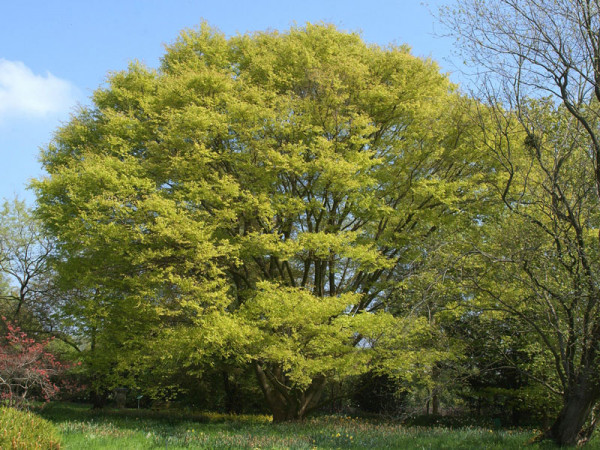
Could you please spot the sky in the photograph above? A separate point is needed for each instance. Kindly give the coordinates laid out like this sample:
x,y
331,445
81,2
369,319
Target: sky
x,y
55,53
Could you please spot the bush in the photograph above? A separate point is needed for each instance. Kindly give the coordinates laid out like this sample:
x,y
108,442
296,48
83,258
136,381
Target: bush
x,y
27,369
25,430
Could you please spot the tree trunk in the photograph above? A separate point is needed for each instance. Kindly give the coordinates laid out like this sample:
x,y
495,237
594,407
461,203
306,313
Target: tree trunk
x,y
570,428
232,405
286,403
435,404
98,399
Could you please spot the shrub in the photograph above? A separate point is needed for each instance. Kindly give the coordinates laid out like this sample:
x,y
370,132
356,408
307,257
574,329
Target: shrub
x,y
25,430
27,368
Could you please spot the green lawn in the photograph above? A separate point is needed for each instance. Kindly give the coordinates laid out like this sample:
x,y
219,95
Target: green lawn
x,y
132,429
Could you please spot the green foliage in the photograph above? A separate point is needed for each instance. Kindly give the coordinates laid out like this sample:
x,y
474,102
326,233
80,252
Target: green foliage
x,y
312,208
24,430
541,250
379,394
261,199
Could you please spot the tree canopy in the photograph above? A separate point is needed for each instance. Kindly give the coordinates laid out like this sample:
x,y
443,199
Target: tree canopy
x,y
260,198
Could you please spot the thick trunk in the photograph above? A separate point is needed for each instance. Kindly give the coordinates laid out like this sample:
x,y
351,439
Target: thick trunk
x,y
287,404
574,424
284,412
98,399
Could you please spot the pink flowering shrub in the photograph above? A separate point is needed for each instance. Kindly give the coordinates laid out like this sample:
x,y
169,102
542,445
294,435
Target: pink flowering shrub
x,y
27,369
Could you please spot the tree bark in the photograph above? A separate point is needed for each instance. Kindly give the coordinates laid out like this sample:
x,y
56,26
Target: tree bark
x,y
232,405
286,403
570,428
98,399
435,402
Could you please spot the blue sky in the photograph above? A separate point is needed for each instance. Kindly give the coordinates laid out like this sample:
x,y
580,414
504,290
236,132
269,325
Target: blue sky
x,y
55,53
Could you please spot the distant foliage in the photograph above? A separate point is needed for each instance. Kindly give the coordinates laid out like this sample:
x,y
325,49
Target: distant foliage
x,y
25,430
379,394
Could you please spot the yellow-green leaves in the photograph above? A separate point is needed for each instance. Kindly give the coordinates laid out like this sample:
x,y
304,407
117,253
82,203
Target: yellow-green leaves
x,y
312,336
269,189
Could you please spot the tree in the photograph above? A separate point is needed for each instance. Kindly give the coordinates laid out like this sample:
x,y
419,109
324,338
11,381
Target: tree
x,y
24,263
540,62
259,199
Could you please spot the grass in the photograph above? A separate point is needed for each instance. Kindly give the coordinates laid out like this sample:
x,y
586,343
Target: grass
x,y
82,427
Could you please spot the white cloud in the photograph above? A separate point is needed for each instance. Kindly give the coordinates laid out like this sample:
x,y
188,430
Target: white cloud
x,y
23,93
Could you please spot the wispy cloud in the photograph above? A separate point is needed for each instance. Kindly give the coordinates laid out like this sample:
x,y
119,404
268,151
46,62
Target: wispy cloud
x,y
24,93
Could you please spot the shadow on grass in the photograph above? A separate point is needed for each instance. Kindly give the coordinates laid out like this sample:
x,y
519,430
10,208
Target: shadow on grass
x,y
60,412
82,426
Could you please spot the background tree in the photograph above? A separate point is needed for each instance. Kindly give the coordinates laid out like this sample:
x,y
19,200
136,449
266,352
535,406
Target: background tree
x,y
550,155
25,252
258,199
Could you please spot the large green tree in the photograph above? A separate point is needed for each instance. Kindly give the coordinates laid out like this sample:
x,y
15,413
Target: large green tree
x,y
259,199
